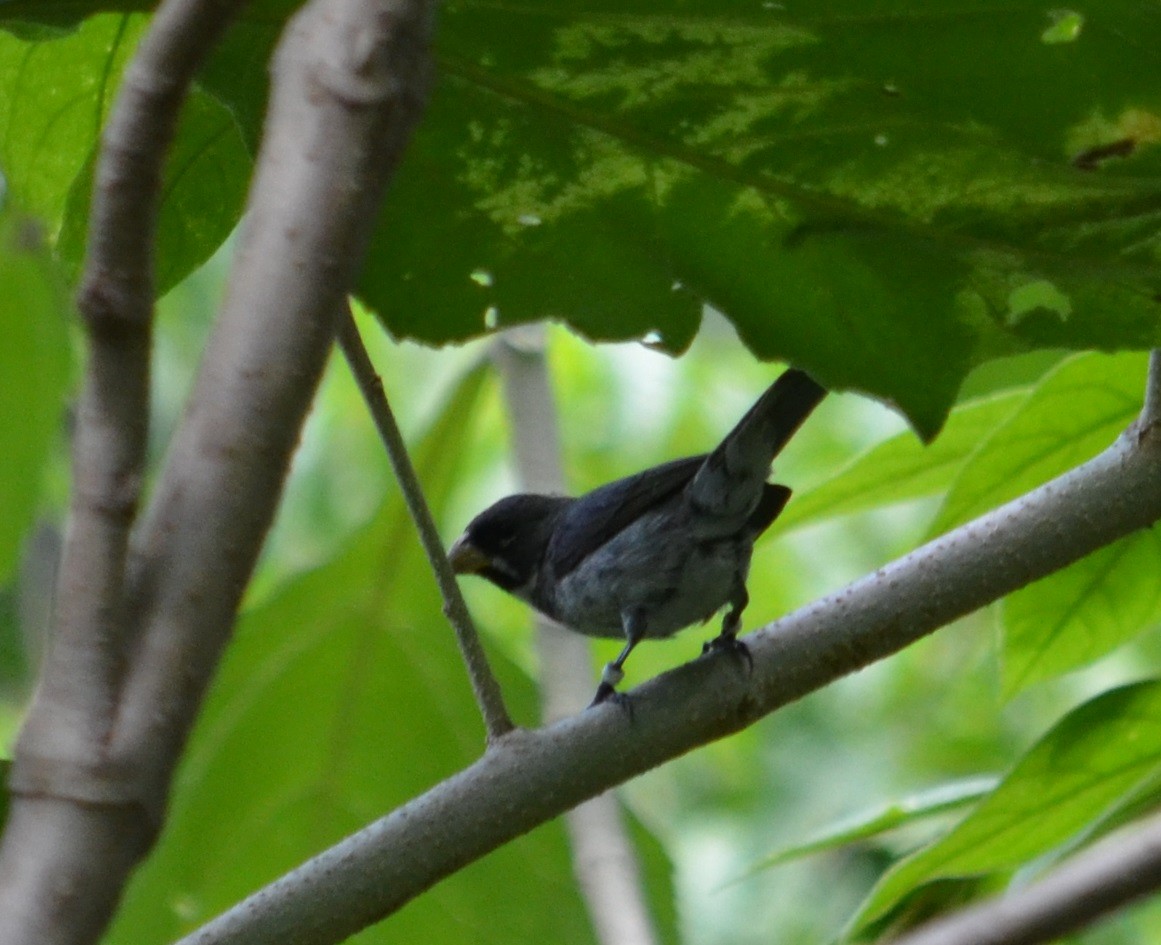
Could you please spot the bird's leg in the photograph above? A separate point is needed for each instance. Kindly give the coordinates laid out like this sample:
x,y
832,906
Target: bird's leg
x,y
731,624
633,622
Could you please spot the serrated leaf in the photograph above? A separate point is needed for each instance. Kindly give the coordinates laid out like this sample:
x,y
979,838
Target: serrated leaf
x,y
887,218
1075,616
1095,758
884,218
903,468
1077,409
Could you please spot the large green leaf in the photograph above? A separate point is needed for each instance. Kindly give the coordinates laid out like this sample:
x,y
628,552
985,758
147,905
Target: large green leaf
x,y
887,193
860,187
34,372
343,696
1094,759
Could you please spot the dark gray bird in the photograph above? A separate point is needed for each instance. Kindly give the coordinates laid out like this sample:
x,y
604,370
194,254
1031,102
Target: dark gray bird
x,y
652,553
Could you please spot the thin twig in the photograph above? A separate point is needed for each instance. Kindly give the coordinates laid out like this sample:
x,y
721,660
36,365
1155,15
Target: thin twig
x,y
604,859
1112,873
534,776
497,721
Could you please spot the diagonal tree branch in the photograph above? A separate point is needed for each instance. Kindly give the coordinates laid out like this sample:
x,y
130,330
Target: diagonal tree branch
x,y
604,859
497,721
532,777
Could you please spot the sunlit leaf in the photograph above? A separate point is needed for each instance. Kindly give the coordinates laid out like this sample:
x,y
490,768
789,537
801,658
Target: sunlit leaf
x,y
903,468
55,95
1076,410
1096,757
1073,617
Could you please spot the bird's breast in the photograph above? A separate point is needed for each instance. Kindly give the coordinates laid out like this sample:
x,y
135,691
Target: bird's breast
x,y
656,567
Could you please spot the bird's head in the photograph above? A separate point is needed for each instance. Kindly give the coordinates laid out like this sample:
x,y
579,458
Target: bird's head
x,y
506,542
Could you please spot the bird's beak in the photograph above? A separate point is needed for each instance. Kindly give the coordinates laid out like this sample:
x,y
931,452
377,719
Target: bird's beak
x,y
466,558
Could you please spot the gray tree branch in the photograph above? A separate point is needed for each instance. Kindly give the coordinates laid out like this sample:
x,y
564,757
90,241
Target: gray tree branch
x,y
75,820
604,859
350,79
533,776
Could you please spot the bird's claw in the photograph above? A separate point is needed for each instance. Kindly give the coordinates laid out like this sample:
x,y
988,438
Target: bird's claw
x,y
606,693
728,643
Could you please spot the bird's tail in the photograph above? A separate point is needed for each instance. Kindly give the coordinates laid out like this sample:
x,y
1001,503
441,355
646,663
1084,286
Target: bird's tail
x,y
729,483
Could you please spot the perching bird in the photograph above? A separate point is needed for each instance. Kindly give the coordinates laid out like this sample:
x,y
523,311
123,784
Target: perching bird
x,y
650,554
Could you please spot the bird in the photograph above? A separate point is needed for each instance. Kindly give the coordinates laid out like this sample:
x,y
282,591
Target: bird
x,y
651,554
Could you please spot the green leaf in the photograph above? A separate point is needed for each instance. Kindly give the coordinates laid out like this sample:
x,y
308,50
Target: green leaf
x,y
341,697
863,826
887,218
1091,761
902,468
1078,409
54,98
34,373
1075,616
202,194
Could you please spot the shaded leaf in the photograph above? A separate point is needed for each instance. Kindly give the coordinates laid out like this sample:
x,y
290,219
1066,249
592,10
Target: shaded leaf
x,y
867,824
857,188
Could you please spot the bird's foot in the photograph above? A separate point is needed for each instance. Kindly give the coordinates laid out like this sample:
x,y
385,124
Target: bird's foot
x,y
728,643
606,693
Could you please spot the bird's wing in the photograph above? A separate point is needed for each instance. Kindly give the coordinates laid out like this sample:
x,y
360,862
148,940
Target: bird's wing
x,y
596,517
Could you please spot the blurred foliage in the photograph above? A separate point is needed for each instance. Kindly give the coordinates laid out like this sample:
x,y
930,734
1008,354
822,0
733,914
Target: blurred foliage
x,y
887,195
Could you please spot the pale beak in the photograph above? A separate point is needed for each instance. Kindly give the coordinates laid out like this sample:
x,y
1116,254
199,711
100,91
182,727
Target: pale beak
x,y
466,558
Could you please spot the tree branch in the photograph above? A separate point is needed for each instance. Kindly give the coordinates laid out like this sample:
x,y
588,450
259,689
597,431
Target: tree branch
x,y
60,750
604,859
497,721
1120,868
350,79
64,781
532,777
